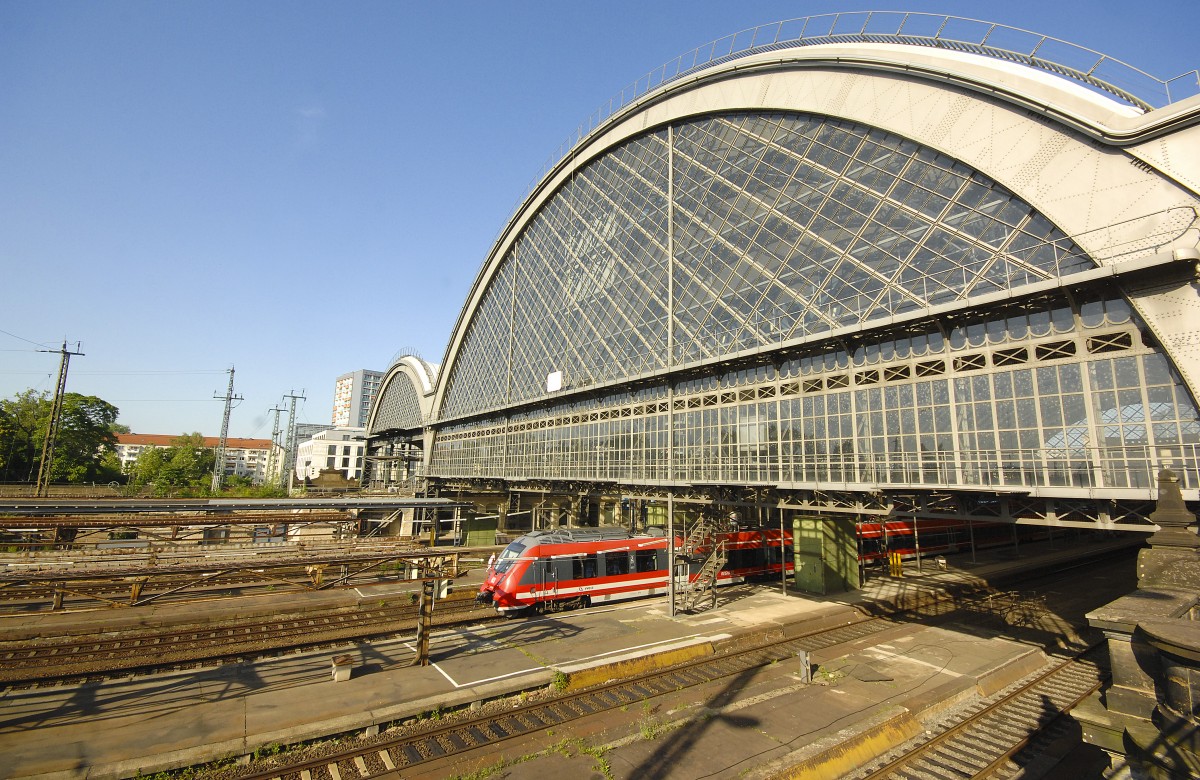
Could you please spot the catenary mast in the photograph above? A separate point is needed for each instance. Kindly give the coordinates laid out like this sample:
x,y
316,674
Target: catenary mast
x,y
289,453
44,466
219,465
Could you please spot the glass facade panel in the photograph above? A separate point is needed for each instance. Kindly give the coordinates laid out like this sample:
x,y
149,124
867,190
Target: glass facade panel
x,y
784,226
1101,420
758,233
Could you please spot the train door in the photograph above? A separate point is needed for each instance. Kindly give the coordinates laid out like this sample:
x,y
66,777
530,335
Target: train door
x,y
564,570
549,579
542,580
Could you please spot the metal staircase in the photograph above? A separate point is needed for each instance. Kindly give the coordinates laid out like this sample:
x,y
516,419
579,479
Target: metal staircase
x,y
698,591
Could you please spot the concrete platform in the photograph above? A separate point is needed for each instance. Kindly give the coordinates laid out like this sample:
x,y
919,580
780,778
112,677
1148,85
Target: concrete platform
x,y
121,728
771,723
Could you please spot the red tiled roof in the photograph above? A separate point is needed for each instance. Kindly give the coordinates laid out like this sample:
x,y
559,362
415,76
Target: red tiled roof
x,y
165,440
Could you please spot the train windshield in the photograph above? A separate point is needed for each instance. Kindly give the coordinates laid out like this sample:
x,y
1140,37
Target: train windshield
x,y
510,554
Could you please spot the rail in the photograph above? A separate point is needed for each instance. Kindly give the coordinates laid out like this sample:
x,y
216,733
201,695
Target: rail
x,y
437,740
74,657
984,742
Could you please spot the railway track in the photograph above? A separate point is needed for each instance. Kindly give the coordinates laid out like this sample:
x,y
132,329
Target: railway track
x,y
178,590
997,738
68,659
134,579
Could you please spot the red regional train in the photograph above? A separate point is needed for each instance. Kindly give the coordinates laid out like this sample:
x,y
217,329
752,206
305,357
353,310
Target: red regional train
x,y
547,571
935,536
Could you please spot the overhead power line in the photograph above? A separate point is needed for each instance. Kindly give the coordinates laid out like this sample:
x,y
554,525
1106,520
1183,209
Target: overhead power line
x,y
288,462
163,400
27,341
148,373
273,454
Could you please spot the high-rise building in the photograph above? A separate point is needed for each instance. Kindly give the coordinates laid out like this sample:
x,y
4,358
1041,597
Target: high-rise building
x,y
352,397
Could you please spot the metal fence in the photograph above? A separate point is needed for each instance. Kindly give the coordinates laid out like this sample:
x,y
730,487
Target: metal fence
x,y
1084,467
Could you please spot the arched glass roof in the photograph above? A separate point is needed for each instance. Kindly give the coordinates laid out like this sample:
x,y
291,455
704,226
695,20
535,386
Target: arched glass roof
x,y
399,407
739,232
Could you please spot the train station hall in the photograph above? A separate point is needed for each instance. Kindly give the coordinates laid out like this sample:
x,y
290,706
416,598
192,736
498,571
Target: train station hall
x,y
795,312
890,280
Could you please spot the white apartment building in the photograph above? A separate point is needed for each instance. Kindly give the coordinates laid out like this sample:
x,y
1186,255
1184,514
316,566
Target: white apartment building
x,y
336,448
352,397
243,457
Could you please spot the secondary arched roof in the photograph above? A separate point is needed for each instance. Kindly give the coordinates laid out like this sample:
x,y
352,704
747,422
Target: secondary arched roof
x,y
405,397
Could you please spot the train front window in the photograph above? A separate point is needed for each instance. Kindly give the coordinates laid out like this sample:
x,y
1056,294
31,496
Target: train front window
x,y
508,556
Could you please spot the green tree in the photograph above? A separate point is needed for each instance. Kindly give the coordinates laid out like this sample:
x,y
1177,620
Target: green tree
x,y
84,444
85,436
22,427
110,468
186,464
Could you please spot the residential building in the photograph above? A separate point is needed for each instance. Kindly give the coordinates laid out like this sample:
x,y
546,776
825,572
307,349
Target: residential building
x,y
243,457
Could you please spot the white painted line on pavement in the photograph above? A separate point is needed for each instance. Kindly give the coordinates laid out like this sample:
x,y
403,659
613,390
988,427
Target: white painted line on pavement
x,y
581,663
883,655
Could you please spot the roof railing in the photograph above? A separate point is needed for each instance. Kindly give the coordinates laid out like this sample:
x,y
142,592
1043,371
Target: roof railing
x,y
1097,71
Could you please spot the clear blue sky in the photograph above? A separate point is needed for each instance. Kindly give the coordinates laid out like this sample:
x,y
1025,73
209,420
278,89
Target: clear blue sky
x,y
302,189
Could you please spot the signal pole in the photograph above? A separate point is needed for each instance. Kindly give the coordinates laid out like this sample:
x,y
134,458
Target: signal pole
x,y
219,465
288,466
44,466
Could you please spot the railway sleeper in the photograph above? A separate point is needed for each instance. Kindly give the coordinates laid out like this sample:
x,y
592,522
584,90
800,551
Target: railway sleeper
x,y
1000,723
969,751
1027,708
929,773
995,743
